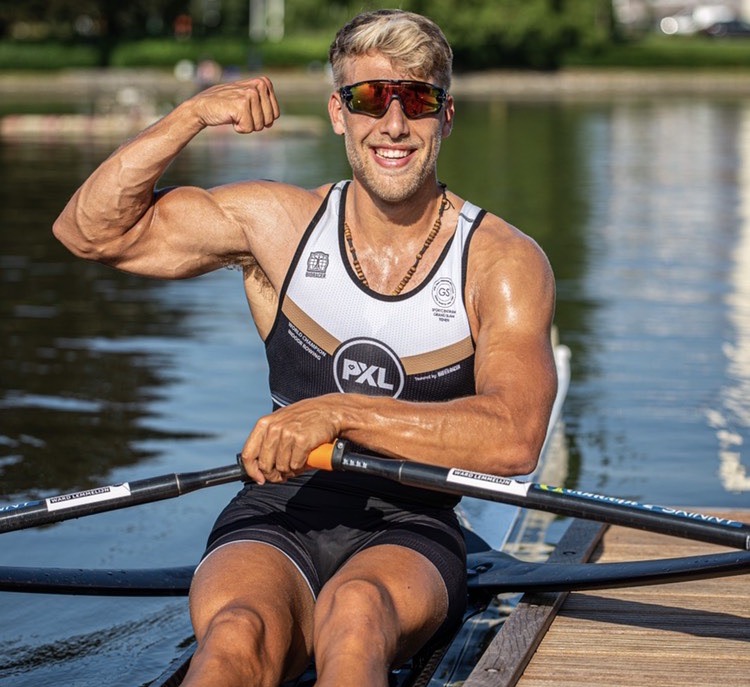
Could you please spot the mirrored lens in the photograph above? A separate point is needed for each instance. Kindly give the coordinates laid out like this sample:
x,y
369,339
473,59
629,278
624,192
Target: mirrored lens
x,y
371,97
419,99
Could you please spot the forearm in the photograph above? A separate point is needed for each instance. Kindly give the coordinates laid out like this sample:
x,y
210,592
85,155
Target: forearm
x,y
483,432
476,433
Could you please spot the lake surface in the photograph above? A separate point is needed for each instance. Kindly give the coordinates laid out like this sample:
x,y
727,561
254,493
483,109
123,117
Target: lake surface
x,y
642,205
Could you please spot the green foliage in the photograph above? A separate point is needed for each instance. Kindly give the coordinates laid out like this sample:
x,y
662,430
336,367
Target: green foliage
x,y
159,52
518,33
239,52
485,34
45,56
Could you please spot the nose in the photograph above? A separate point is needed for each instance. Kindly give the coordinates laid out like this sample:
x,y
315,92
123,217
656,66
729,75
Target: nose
x,y
394,122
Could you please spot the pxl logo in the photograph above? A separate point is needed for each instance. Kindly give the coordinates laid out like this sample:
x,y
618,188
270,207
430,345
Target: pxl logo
x,y
362,373
366,366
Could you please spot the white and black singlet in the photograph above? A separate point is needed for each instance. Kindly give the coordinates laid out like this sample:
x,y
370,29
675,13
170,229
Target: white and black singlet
x,y
332,334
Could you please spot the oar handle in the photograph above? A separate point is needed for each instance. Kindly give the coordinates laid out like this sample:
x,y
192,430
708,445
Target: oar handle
x,y
325,457
328,456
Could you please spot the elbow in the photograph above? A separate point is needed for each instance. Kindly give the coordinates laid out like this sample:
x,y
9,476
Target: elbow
x,y
528,450
76,230
522,461
62,232
519,455
72,236
526,464
73,240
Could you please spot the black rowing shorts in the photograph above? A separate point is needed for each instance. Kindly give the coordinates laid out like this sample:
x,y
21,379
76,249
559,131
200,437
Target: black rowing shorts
x,y
320,519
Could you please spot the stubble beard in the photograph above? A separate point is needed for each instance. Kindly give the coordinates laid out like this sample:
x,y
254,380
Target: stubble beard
x,y
390,188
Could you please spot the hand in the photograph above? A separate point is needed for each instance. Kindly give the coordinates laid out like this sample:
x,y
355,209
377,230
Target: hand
x,y
280,443
248,105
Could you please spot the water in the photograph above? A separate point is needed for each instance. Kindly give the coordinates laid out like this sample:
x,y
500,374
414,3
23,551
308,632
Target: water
x,y
643,207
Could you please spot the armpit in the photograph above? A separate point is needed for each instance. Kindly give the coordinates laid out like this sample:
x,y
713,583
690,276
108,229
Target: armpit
x,y
256,281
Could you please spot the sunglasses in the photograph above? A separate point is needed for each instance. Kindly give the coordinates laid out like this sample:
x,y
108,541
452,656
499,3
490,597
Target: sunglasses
x,y
373,98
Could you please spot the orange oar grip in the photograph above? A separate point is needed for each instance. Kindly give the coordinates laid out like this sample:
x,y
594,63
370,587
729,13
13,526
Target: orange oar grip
x,y
321,458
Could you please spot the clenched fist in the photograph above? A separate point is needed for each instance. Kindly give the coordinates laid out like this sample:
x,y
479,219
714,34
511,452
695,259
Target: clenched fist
x,y
249,105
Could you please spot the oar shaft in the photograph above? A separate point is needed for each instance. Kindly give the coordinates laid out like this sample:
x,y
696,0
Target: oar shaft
x,y
614,511
100,499
671,521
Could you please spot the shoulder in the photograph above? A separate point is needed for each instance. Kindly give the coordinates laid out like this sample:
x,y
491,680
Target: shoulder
x,y
507,266
498,243
272,215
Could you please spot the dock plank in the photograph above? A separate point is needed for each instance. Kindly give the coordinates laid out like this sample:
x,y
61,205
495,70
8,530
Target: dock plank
x,y
513,646
687,633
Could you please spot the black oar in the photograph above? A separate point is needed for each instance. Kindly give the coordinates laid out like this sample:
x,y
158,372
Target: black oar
x,y
567,502
19,516
490,571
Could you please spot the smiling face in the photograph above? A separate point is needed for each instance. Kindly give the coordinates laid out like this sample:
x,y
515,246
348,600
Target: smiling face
x,y
392,156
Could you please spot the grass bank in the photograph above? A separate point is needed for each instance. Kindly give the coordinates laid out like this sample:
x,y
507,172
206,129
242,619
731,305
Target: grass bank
x,y
164,53
669,52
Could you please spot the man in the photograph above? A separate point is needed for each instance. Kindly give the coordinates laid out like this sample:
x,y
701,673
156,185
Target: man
x,y
431,316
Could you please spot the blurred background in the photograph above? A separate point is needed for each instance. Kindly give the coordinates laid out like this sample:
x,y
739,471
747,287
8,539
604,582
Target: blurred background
x,y
539,34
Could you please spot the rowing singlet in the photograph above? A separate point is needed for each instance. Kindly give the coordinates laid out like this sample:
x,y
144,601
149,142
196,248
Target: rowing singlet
x,y
333,334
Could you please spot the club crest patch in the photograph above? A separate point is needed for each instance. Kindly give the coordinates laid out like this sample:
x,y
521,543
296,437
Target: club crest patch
x,y
317,264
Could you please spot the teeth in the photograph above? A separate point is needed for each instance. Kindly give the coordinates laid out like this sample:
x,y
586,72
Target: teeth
x,y
392,154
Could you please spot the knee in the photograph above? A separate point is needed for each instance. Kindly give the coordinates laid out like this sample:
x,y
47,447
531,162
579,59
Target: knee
x,y
239,628
234,621
356,602
239,638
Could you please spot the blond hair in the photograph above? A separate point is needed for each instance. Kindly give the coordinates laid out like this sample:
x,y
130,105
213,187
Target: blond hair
x,y
410,41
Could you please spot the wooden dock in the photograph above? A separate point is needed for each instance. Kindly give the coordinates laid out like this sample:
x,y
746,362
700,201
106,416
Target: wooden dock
x,y
688,633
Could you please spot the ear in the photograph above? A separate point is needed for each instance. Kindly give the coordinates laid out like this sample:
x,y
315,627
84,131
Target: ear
x,y
449,114
336,113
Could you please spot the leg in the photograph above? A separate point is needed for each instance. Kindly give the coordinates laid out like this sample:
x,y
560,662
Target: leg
x,y
252,613
375,613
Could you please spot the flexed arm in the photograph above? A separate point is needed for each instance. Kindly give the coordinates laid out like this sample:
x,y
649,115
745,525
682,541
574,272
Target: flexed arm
x,y
116,217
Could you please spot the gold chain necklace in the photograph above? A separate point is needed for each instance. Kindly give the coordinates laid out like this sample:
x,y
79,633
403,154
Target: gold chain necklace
x,y
444,203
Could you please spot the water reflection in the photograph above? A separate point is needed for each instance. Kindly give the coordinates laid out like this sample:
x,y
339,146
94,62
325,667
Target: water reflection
x,y
661,239
60,397
733,416
643,207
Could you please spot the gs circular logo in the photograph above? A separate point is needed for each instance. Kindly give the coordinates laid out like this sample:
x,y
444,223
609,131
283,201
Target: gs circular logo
x,y
444,292
367,366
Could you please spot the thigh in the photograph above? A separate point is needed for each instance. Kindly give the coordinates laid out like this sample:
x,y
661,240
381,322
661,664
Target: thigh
x,y
411,593
438,538
257,580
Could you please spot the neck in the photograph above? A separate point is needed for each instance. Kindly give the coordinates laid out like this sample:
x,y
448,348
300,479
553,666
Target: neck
x,y
384,241
383,221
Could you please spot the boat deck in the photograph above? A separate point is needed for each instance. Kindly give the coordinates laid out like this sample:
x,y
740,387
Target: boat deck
x,y
688,633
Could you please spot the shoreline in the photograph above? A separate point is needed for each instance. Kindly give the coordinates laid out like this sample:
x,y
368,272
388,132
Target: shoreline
x,y
576,83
